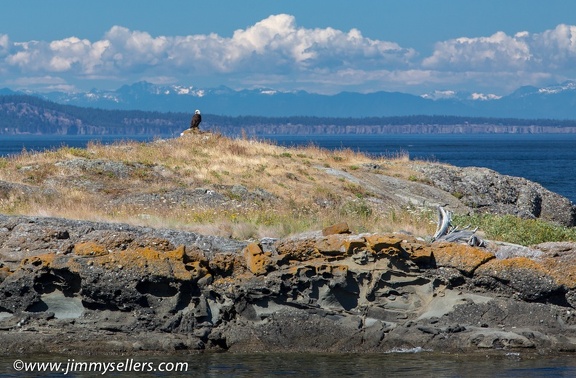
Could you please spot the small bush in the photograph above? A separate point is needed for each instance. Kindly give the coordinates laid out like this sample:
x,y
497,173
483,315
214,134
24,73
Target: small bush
x,y
356,207
458,195
356,189
78,152
512,229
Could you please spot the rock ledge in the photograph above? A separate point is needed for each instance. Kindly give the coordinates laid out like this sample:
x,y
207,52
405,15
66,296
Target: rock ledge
x,y
66,284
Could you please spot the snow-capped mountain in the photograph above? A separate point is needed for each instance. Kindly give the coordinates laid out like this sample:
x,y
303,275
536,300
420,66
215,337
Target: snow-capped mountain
x,y
461,96
557,101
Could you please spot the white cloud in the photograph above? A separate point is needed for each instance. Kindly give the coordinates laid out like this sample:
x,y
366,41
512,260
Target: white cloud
x,y
497,52
67,52
129,49
273,46
556,49
277,52
506,61
548,51
48,82
4,44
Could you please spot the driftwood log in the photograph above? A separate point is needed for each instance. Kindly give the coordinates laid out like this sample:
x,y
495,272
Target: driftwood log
x,y
445,230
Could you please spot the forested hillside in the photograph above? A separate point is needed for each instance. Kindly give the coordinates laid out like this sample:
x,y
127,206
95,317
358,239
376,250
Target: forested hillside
x,y
22,114
31,115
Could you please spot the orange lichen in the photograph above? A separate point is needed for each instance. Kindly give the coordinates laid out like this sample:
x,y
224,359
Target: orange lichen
x,y
340,244
422,255
502,268
564,272
257,261
4,273
46,259
332,270
339,228
331,245
460,256
351,245
197,269
383,242
89,248
225,264
148,261
561,272
297,250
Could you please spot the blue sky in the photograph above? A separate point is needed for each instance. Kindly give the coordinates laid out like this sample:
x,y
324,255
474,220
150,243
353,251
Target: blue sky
x,y
322,46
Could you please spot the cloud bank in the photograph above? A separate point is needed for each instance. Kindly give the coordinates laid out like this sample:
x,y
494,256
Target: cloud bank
x,y
276,52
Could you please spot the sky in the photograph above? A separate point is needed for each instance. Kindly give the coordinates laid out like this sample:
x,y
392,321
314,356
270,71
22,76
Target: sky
x,y
489,47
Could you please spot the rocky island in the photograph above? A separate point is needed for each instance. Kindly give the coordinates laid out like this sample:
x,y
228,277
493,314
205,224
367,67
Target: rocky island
x,y
204,243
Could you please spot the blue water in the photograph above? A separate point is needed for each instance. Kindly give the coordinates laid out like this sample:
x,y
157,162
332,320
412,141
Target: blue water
x,y
423,364
548,159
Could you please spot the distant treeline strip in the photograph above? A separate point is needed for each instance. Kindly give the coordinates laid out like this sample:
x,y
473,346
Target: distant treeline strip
x,y
30,114
393,121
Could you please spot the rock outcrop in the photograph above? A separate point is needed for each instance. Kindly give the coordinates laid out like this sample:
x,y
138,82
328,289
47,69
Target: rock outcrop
x,y
486,190
101,287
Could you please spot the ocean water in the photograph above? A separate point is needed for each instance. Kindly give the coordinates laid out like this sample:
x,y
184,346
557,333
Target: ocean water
x,y
396,364
548,159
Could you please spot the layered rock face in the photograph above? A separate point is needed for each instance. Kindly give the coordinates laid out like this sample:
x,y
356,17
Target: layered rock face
x,y
98,287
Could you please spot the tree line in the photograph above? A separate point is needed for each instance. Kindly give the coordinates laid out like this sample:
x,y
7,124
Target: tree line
x,y
30,114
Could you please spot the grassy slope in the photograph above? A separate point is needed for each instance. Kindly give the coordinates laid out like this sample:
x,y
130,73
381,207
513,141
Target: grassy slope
x,y
152,184
305,196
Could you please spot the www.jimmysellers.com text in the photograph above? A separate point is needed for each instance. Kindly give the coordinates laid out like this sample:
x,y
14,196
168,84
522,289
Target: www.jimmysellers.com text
x,y
73,366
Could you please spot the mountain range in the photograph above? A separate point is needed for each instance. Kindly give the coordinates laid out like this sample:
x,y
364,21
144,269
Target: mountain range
x,y
528,102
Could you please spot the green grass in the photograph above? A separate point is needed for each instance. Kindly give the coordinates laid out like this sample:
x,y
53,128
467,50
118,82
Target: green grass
x,y
511,229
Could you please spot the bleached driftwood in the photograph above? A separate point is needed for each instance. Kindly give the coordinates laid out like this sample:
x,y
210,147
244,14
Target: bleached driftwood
x,y
445,230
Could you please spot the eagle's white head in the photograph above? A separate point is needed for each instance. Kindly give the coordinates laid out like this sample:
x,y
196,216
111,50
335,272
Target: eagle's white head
x,y
197,111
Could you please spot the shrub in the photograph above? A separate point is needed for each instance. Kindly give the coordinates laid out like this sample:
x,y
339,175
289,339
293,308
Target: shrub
x,y
78,152
357,207
458,195
512,229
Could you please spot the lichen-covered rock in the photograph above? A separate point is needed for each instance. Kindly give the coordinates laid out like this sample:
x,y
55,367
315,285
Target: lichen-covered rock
x,y
529,280
338,228
257,261
90,248
460,256
167,290
4,273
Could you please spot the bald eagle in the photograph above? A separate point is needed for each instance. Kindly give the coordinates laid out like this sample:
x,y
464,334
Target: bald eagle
x,y
195,122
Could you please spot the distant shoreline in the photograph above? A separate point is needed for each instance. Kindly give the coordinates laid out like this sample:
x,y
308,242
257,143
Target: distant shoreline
x,y
300,129
28,115
403,129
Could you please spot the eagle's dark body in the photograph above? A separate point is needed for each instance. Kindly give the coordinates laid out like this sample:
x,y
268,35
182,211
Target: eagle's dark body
x,y
195,122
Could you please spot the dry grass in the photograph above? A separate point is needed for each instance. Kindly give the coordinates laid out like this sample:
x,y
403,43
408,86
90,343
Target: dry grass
x,y
85,183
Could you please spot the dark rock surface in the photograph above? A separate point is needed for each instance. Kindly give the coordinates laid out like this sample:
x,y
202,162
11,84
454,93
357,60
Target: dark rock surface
x,y
100,287
487,190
